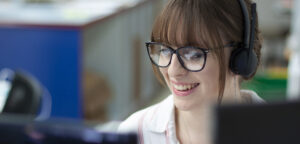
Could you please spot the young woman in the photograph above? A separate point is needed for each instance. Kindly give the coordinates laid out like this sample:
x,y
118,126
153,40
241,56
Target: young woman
x,y
203,49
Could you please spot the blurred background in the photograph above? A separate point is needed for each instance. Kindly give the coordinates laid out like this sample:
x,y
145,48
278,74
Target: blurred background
x,y
90,55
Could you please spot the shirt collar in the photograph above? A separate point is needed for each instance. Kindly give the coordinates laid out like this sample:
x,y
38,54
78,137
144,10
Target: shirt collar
x,y
161,116
164,113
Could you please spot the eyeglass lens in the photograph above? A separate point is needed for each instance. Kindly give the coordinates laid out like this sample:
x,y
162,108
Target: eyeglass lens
x,y
192,58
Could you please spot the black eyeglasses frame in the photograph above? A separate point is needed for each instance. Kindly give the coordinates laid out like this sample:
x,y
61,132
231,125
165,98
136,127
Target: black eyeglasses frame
x,y
205,51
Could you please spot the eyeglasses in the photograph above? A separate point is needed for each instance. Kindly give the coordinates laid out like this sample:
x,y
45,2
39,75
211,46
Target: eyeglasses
x,y
191,58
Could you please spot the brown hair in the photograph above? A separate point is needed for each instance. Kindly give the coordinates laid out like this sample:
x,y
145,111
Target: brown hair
x,y
203,23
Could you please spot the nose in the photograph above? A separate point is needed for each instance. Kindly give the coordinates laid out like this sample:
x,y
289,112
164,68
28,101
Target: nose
x,y
175,69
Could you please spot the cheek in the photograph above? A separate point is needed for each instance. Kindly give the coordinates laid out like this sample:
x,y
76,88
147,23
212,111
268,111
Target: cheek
x,y
166,77
210,79
164,73
210,76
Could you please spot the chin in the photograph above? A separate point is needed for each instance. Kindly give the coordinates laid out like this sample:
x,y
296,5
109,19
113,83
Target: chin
x,y
184,105
193,103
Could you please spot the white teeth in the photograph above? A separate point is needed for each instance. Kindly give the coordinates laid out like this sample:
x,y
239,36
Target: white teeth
x,y
184,87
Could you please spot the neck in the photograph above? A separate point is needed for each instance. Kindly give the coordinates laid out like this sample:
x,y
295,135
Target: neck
x,y
193,126
232,91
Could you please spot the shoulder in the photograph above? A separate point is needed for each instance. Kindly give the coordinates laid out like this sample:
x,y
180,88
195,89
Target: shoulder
x,y
131,124
250,96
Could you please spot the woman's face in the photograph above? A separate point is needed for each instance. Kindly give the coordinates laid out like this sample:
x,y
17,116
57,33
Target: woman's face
x,y
193,89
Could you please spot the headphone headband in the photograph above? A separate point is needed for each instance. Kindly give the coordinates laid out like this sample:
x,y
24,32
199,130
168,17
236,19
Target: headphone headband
x,y
246,34
253,23
243,60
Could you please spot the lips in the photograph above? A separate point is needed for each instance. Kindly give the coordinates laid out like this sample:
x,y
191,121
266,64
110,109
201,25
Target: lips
x,y
184,89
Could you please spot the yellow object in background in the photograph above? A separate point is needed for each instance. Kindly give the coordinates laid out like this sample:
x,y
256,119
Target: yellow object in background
x,y
276,72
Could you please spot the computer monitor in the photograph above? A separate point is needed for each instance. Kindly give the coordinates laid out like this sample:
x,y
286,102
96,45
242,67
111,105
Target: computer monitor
x,y
22,130
277,123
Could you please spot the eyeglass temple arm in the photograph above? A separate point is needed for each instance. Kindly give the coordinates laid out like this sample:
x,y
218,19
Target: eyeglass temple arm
x,y
233,44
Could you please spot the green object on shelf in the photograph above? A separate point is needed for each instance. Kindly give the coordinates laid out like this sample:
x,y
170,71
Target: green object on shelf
x,y
268,87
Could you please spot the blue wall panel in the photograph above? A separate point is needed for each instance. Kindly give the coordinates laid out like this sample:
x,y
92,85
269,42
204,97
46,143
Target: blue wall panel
x,y
53,56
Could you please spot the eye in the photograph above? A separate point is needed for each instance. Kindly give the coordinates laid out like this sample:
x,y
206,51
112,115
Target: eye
x,y
193,54
164,51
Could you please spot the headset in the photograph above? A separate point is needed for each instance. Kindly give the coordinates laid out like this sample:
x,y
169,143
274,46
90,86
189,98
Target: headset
x,y
243,60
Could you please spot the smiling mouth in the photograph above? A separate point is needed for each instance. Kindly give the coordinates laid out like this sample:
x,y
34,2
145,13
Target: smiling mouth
x,y
186,87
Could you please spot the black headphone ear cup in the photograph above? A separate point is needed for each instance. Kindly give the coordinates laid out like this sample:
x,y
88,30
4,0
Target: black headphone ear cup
x,y
243,62
234,61
252,63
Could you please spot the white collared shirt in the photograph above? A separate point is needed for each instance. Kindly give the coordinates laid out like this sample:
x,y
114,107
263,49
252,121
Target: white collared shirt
x,y
156,124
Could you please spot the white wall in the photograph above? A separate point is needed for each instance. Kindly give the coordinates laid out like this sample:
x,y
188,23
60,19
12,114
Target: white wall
x,y
109,50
